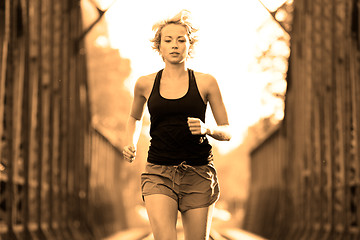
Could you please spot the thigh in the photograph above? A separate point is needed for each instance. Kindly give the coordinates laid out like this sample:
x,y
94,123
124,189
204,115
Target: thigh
x,y
158,179
199,188
162,211
197,223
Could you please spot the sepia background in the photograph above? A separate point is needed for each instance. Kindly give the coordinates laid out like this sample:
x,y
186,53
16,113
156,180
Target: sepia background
x,y
289,75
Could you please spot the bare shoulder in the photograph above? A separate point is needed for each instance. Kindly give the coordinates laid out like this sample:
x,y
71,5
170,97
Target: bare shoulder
x,y
145,80
204,77
205,80
144,84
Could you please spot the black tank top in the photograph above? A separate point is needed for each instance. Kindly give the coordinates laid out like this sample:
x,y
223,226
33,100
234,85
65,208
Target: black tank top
x,y
171,140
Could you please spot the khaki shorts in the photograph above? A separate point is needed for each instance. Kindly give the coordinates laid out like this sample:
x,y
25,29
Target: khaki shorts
x,y
190,186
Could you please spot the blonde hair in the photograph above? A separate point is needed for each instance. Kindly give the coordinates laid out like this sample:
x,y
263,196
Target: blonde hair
x,y
183,19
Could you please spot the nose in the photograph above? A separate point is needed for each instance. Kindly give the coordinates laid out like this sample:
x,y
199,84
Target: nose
x,y
175,45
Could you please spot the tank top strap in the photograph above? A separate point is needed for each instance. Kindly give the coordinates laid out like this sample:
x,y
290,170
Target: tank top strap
x,y
193,87
157,81
156,86
192,82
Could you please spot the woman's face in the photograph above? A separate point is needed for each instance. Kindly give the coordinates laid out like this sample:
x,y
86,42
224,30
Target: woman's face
x,y
174,44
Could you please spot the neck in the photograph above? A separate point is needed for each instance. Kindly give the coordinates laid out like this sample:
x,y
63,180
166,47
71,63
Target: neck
x,y
175,71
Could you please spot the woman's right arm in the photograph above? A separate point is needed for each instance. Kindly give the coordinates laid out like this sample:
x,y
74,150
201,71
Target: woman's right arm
x,y
134,123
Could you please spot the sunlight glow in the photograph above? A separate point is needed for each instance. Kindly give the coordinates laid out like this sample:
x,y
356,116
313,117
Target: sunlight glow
x,y
102,41
228,44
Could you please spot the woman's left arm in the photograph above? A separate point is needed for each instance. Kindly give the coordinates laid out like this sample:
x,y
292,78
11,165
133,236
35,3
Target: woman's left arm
x,y
222,130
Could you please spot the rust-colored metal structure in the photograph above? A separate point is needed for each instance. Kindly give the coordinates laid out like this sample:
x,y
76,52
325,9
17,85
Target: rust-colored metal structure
x,y
305,180
51,185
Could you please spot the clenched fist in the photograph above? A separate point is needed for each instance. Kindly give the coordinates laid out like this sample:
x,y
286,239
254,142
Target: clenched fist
x,y
129,153
196,126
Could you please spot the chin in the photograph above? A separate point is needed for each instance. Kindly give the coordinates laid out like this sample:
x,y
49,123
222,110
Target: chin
x,y
176,62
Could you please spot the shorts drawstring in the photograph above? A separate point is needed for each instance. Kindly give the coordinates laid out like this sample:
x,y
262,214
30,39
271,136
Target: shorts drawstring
x,y
190,186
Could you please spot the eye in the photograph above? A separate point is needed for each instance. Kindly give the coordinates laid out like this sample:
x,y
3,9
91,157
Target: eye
x,y
167,41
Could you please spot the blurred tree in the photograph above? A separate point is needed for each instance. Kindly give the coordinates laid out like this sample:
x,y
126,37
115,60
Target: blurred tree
x,y
272,60
107,70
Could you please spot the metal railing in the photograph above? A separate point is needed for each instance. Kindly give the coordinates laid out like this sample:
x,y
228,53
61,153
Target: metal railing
x,y
306,175
56,171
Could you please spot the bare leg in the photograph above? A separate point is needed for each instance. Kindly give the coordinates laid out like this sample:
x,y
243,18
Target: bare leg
x,y
162,211
197,223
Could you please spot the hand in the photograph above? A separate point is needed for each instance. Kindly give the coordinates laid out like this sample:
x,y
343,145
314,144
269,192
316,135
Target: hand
x,y
197,127
129,153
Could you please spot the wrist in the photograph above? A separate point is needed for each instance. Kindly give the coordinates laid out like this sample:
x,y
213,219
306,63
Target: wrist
x,y
209,131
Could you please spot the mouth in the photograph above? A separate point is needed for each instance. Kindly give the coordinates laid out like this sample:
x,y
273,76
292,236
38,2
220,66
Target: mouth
x,y
174,53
